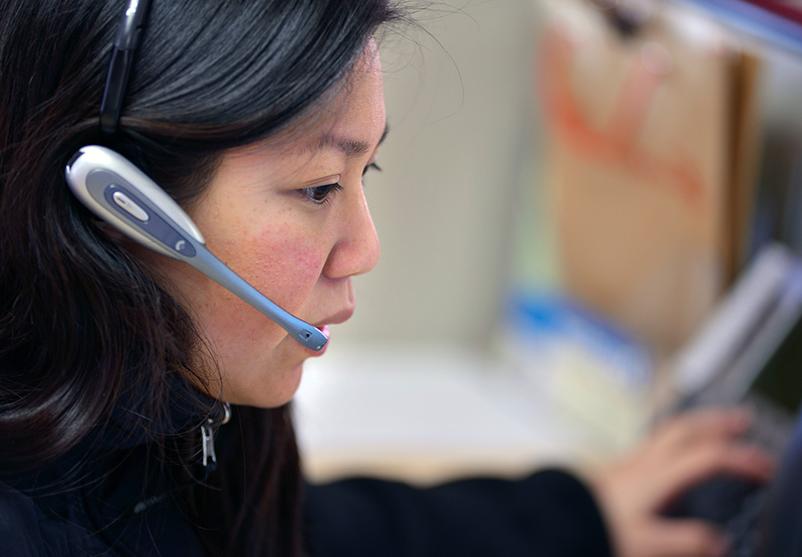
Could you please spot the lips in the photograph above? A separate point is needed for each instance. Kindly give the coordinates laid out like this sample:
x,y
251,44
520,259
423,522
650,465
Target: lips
x,y
340,317
323,325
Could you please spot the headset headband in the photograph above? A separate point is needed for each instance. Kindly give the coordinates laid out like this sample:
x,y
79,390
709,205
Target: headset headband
x,y
122,59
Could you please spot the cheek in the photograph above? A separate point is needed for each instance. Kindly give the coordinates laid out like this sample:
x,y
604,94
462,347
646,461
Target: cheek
x,y
283,264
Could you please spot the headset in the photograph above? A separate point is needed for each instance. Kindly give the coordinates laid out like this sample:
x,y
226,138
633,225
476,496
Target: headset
x,y
122,195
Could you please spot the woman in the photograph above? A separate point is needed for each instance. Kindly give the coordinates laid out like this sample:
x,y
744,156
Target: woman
x,y
117,365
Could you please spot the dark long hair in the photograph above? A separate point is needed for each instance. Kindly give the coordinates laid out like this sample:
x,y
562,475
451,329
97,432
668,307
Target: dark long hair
x,y
81,319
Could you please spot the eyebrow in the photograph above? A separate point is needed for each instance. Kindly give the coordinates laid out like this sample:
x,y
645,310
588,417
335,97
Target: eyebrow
x,y
351,147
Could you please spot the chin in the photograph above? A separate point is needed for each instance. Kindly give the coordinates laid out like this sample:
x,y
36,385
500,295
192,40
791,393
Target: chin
x,y
275,393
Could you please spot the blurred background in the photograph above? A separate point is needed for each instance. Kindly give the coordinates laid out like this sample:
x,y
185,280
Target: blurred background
x,y
570,187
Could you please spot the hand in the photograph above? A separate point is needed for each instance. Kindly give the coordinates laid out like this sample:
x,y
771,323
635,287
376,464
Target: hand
x,y
681,453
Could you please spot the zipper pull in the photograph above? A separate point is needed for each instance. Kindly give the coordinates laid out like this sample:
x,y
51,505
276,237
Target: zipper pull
x,y
207,437
207,442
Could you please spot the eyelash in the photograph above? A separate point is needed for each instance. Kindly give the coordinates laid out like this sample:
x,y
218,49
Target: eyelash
x,y
311,194
372,166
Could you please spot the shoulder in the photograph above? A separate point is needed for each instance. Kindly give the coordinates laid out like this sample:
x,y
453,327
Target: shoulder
x,y
20,533
29,528
26,530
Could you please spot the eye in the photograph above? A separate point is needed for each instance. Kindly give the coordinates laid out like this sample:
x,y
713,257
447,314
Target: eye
x,y
371,166
320,195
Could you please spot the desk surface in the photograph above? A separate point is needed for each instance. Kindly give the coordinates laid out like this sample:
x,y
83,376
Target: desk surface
x,y
426,415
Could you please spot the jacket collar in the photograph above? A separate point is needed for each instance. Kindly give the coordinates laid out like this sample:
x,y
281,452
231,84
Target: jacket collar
x,y
190,415
133,421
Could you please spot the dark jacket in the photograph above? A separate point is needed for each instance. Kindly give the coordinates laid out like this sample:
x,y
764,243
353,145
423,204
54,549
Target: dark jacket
x,y
122,503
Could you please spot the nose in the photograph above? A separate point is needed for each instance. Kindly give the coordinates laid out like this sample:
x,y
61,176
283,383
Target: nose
x,y
358,248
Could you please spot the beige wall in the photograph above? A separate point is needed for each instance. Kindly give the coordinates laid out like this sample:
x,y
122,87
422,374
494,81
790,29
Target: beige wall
x,y
460,122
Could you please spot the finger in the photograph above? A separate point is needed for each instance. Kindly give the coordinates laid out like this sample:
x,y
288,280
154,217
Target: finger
x,y
686,538
702,426
695,465
705,424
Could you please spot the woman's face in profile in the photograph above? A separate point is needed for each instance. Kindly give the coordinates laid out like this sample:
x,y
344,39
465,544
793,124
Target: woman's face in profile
x,y
274,213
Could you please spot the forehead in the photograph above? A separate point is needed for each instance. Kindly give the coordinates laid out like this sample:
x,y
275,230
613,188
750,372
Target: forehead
x,y
351,119
352,115
355,112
